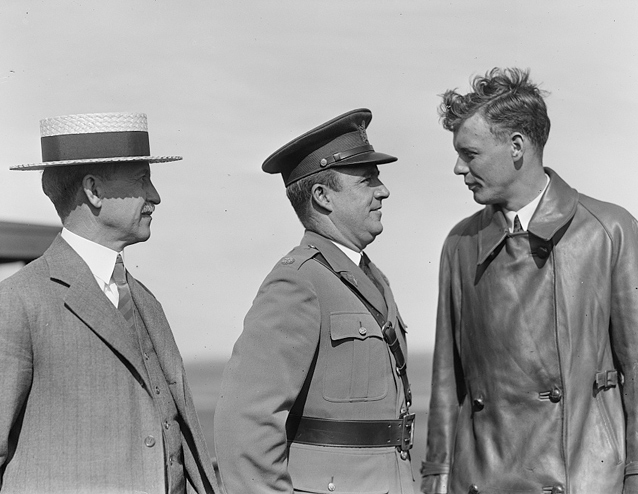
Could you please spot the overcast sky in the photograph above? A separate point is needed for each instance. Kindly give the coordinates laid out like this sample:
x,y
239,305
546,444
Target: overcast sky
x,y
225,83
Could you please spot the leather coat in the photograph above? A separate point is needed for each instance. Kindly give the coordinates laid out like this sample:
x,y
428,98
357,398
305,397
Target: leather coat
x,y
535,333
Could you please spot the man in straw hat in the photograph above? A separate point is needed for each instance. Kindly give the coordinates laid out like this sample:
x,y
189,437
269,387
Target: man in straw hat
x,y
315,396
94,399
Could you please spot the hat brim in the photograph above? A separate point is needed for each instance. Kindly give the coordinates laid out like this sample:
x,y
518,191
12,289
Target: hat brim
x,y
371,158
124,159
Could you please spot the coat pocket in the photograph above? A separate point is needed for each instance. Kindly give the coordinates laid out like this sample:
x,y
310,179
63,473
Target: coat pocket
x,y
608,425
357,364
323,470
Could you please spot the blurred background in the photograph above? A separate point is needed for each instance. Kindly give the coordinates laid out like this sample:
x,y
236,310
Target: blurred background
x,y
226,83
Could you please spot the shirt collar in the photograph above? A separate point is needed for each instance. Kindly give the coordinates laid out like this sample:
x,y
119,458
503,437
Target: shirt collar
x,y
100,259
526,212
353,255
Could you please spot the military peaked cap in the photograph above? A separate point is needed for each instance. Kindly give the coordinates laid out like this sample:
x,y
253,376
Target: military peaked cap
x,y
340,142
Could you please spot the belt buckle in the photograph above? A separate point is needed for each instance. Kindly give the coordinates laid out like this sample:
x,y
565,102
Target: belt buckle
x,y
407,432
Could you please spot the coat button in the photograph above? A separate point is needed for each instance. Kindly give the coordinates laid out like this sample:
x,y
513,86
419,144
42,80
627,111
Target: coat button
x,y
473,489
149,441
558,489
555,395
479,405
363,331
331,487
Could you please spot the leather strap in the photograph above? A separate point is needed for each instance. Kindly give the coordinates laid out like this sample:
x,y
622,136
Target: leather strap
x,y
352,433
336,157
389,334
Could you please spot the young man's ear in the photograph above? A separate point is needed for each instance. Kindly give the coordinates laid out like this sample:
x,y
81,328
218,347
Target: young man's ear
x,y
518,142
92,188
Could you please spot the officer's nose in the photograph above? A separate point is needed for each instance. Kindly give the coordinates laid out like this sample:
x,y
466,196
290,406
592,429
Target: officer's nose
x,y
382,192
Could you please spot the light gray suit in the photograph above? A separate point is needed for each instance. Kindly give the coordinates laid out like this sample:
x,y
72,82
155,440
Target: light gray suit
x,y
76,413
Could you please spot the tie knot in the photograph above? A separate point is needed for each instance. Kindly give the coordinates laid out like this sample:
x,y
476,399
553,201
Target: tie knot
x,y
518,228
364,262
119,272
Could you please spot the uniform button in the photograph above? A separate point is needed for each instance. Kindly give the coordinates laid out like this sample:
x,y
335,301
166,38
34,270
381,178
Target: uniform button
x,y
363,331
146,356
157,390
149,441
473,489
166,425
331,487
558,489
479,405
404,455
555,396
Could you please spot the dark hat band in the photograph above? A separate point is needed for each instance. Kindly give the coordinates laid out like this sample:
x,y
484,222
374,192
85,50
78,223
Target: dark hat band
x,y
95,145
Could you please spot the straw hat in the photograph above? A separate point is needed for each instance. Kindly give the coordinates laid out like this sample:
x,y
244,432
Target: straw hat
x,y
94,138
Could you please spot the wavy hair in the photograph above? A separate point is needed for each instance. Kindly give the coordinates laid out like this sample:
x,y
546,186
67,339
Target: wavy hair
x,y
506,99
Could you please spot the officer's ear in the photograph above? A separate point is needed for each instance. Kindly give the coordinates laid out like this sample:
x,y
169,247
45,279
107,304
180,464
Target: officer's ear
x,y
322,196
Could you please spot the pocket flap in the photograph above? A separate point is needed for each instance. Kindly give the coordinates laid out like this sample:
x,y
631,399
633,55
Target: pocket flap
x,y
358,325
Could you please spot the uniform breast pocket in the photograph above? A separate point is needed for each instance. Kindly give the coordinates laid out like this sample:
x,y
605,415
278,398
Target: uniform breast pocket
x,y
357,362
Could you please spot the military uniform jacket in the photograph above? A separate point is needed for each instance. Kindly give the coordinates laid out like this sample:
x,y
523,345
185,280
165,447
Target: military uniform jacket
x,y
307,327
535,332
76,413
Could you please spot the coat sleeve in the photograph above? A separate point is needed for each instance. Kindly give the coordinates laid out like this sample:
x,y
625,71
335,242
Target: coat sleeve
x,y
16,367
267,369
448,387
624,336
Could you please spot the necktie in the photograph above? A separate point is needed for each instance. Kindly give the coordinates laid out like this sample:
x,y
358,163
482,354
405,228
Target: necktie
x,y
517,225
125,303
364,264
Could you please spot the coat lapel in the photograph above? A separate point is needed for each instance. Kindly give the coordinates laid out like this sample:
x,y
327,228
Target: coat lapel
x,y
85,299
161,335
348,271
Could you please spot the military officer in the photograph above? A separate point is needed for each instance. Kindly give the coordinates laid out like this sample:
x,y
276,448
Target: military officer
x,y
315,396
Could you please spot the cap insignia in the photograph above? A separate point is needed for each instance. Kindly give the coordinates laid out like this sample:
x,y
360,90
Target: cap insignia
x,y
362,132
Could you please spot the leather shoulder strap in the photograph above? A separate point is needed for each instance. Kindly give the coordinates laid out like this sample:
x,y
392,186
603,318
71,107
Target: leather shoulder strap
x,y
389,334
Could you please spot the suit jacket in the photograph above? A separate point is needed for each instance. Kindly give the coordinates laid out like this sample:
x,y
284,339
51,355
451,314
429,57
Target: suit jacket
x,y
307,331
76,414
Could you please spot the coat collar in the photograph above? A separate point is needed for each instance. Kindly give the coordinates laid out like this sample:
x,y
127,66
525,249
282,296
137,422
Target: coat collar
x,y
556,208
347,270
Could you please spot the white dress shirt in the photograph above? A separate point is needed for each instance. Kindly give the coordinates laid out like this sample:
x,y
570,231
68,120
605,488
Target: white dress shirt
x,y
100,259
526,212
354,256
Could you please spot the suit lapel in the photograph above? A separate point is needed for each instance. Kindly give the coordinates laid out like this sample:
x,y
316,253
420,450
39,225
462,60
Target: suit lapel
x,y
348,271
85,299
170,361
162,338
